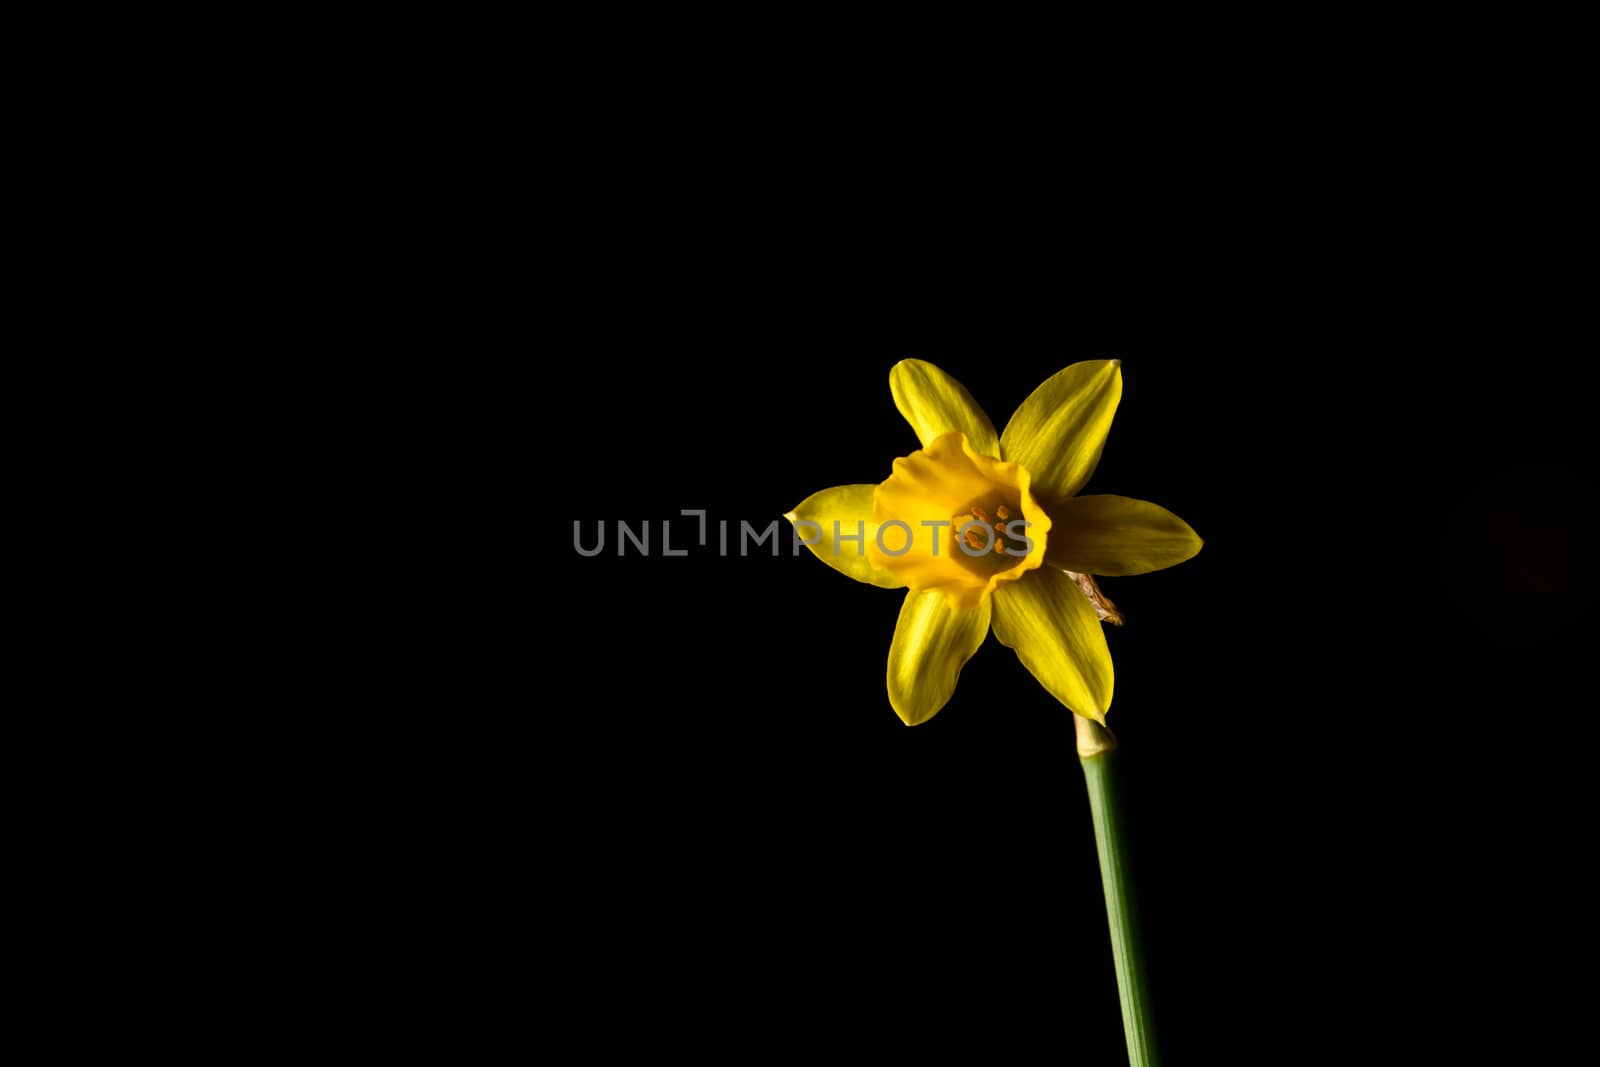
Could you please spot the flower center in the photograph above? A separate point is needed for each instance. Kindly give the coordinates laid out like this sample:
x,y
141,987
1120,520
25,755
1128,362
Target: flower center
x,y
977,534
956,520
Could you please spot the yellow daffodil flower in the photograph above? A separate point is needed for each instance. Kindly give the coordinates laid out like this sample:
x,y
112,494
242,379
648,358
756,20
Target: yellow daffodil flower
x,y
985,529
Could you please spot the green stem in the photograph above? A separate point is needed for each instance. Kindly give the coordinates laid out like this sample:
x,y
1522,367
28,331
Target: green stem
x,y
1097,752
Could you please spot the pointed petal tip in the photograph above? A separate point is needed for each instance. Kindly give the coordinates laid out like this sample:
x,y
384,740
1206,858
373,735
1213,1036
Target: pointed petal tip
x,y
899,713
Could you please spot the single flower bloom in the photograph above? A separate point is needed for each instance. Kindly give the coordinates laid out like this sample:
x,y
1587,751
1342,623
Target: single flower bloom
x,y
985,529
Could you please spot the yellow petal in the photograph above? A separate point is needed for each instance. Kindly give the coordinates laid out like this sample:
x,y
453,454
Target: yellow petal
x,y
1058,432
935,403
1049,622
1117,535
847,511
932,642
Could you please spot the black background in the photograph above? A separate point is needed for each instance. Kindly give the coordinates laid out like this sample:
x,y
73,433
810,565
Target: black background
x,y
1325,717
671,795
513,795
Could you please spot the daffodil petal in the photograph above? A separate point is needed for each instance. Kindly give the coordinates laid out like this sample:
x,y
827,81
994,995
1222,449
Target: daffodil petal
x,y
1048,621
847,511
1117,535
1058,432
932,642
935,403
